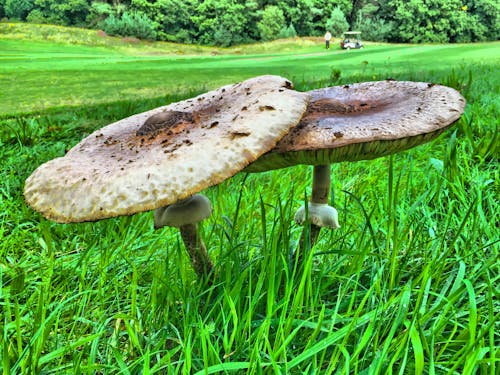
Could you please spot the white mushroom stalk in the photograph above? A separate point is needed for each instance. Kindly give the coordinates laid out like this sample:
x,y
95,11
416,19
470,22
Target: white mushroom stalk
x,y
186,215
320,214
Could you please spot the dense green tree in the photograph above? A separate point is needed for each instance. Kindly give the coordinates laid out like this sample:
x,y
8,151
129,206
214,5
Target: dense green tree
x,y
288,32
352,16
337,22
271,23
64,12
224,22
466,27
324,12
372,26
172,18
375,29
98,12
116,3
488,16
229,22
301,14
18,9
36,16
432,21
133,24
309,17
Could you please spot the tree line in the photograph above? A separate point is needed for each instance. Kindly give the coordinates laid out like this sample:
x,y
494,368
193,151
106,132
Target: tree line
x,y
229,22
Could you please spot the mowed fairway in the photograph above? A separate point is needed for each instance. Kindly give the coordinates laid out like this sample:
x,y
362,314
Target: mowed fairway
x,y
50,75
409,284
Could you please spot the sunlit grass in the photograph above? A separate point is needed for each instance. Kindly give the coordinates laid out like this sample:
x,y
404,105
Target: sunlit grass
x,y
53,73
408,284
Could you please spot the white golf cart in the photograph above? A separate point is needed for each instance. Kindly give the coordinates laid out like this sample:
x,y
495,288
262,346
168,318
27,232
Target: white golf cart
x,y
351,39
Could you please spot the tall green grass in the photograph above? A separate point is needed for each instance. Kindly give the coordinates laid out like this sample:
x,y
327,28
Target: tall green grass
x,y
407,285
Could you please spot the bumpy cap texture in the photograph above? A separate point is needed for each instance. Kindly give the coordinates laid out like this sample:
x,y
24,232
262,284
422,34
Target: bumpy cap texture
x,y
167,154
365,121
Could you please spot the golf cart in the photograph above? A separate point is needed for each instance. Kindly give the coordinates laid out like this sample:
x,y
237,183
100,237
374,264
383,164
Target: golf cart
x,y
352,39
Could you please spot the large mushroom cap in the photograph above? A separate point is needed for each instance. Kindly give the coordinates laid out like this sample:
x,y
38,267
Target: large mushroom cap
x,y
365,121
164,155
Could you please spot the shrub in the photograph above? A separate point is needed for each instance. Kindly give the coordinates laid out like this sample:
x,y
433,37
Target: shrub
x,y
182,36
130,24
222,37
288,32
376,29
337,22
98,13
36,16
271,23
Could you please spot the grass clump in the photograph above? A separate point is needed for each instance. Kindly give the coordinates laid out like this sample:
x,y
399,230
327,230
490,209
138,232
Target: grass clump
x,y
409,284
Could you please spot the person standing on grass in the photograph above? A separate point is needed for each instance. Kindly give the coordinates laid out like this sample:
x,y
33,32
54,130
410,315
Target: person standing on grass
x,y
328,37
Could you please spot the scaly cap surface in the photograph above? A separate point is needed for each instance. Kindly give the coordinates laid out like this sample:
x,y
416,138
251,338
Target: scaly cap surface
x,y
158,157
365,121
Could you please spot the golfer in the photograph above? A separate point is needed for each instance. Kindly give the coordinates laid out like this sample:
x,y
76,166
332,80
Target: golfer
x,y
328,37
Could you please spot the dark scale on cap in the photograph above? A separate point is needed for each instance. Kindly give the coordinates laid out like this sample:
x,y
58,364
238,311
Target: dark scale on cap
x,y
163,120
329,107
266,108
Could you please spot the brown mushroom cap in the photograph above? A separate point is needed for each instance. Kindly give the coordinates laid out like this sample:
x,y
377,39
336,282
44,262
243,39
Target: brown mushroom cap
x,y
365,121
158,157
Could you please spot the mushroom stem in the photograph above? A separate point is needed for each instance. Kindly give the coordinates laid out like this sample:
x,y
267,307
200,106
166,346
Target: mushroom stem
x,y
202,264
185,215
320,213
321,184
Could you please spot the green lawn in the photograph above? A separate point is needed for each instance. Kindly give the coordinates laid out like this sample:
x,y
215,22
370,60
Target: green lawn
x,y
409,284
51,75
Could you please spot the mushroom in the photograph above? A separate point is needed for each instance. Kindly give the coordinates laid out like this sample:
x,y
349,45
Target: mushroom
x,y
164,156
185,215
357,122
